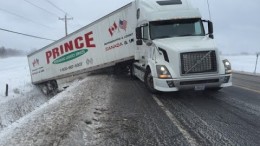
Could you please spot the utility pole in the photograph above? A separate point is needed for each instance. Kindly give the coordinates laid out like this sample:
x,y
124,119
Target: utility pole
x,y
6,90
257,54
65,20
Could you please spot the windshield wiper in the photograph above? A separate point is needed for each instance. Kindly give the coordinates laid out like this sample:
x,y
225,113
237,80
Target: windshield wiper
x,y
168,36
186,35
165,36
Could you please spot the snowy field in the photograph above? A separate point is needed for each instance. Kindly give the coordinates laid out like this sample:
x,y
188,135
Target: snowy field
x,y
244,63
14,71
23,96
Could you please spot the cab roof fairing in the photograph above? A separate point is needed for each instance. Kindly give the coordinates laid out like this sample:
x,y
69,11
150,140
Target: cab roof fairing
x,y
150,10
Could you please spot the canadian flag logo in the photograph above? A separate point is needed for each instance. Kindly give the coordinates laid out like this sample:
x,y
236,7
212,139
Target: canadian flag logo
x,y
35,62
112,29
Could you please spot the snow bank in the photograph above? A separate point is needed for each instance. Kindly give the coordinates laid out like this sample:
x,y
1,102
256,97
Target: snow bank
x,y
66,119
15,108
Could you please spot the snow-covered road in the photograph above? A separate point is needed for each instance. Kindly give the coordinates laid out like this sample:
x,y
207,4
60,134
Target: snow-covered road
x,y
70,118
75,116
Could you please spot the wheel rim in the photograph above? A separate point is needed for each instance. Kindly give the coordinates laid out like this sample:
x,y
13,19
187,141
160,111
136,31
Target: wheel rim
x,y
44,89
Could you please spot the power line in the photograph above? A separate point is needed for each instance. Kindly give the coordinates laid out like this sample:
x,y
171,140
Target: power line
x,y
76,23
209,10
56,7
26,34
24,18
41,8
60,9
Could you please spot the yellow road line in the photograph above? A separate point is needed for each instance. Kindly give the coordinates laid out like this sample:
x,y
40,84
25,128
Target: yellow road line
x,y
247,88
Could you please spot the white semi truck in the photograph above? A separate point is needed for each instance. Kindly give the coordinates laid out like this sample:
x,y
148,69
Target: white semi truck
x,y
164,42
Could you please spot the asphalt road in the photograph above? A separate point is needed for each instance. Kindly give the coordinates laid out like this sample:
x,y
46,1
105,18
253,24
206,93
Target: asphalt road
x,y
230,116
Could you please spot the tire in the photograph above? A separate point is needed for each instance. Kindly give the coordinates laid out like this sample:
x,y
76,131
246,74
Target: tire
x,y
49,88
132,74
148,80
44,89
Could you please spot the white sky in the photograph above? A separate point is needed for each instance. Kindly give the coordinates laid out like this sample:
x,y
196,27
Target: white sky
x,y
236,22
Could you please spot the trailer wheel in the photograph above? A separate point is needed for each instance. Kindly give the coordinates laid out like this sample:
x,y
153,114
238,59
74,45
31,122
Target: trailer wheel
x,y
49,88
148,80
53,87
44,89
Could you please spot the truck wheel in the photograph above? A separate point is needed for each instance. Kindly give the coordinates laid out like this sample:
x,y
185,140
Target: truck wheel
x,y
148,80
132,74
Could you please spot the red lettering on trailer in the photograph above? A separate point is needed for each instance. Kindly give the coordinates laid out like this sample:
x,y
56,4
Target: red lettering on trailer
x,y
48,56
79,44
69,46
55,53
117,45
61,50
89,40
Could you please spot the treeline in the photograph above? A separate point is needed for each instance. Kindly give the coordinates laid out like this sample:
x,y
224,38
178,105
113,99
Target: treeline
x,y
8,52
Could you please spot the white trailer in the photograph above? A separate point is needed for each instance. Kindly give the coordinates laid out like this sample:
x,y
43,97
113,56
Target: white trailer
x,y
164,41
105,42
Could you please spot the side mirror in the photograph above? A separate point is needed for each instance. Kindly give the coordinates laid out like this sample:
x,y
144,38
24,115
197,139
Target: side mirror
x,y
210,27
138,32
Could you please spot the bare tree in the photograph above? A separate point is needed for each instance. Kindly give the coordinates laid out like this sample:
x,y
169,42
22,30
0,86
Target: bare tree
x,y
7,52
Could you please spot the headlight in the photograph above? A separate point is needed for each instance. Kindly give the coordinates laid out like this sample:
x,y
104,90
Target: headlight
x,y
163,72
227,66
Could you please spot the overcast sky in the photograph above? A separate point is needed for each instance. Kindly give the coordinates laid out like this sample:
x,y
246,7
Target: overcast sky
x,y
236,22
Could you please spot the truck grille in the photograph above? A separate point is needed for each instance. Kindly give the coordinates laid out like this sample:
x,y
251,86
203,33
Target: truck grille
x,y
198,62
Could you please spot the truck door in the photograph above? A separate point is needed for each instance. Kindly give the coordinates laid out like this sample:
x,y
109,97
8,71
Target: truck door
x,y
143,49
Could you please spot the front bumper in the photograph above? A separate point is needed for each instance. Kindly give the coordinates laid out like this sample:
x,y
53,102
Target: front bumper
x,y
190,83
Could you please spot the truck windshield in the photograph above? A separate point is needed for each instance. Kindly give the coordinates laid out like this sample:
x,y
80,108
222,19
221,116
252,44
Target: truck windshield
x,y
176,28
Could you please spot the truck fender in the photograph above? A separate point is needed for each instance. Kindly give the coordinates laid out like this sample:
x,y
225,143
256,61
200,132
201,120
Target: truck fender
x,y
151,65
149,78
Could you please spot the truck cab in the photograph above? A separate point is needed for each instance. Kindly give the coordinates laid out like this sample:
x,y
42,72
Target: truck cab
x,y
176,48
